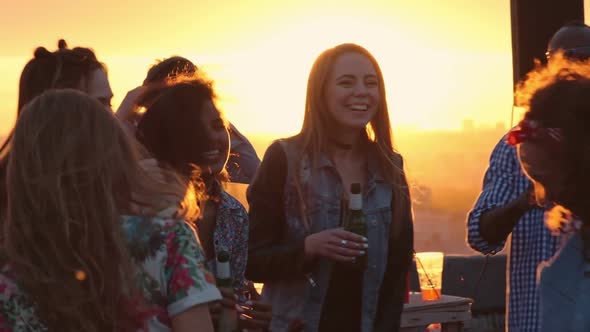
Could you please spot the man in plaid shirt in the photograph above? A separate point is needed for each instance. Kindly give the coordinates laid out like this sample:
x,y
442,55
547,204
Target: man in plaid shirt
x,y
507,205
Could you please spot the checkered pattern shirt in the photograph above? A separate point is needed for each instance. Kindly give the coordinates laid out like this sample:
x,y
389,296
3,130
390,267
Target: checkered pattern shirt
x,y
531,242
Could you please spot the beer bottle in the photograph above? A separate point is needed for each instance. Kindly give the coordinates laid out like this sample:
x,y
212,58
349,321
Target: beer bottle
x,y
228,320
356,221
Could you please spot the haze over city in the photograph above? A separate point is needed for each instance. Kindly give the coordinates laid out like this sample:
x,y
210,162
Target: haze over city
x,y
447,66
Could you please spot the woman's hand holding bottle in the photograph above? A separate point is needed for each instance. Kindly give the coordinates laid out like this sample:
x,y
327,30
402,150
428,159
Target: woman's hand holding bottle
x,y
336,244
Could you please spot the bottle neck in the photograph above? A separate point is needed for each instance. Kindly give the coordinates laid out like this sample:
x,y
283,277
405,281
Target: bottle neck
x,y
355,202
223,270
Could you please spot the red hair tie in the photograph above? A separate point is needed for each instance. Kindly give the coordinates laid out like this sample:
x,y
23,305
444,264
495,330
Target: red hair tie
x,y
530,129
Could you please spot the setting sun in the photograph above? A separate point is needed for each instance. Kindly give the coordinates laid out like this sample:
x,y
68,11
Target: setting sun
x,y
259,53
447,67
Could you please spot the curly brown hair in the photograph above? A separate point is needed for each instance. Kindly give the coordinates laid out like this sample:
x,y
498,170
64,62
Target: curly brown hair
x,y
164,107
558,96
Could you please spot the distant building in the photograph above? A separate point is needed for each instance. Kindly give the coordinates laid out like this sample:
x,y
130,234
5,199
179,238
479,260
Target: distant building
x,y
435,230
422,196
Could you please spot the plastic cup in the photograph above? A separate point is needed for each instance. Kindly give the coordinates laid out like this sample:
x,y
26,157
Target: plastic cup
x,y
430,268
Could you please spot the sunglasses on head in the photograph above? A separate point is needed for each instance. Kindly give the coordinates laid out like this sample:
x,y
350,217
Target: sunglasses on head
x,y
576,53
532,130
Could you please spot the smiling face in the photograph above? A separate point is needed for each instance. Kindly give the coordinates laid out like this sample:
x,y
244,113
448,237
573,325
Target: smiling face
x,y
184,128
211,142
352,91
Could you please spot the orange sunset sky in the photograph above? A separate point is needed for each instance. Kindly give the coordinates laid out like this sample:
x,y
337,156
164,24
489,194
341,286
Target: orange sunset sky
x,y
443,61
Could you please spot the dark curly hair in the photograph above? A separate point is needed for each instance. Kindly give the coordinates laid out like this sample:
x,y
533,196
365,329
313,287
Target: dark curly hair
x,y
170,68
558,96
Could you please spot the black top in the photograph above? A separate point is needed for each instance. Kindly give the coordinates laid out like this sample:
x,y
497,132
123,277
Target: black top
x,y
342,306
270,258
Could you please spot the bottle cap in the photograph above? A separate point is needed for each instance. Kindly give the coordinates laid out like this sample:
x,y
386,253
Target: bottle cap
x,y
223,256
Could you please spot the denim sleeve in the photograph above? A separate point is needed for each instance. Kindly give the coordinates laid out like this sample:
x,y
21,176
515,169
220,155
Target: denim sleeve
x,y
243,160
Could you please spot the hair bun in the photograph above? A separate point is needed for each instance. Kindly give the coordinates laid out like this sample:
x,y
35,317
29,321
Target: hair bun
x,y
42,52
62,45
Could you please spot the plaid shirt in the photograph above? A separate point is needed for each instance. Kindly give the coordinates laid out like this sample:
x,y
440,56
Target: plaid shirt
x,y
531,242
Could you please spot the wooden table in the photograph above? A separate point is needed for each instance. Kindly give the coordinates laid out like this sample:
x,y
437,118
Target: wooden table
x,y
450,311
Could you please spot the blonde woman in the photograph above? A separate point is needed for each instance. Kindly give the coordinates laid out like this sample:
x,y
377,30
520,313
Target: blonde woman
x,y
297,247
82,247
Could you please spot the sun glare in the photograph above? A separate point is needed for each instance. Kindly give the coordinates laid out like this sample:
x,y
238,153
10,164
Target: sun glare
x,y
259,57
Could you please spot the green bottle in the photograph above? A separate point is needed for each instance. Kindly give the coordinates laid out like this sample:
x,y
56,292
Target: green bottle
x,y
356,221
228,321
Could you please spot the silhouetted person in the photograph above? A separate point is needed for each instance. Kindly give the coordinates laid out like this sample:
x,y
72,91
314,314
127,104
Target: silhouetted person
x,y
506,206
553,144
76,68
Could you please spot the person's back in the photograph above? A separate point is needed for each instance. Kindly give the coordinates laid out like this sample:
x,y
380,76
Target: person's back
x,y
153,243
553,149
66,259
566,296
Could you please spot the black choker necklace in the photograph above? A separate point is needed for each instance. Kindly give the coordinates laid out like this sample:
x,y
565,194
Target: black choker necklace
x,y
340,145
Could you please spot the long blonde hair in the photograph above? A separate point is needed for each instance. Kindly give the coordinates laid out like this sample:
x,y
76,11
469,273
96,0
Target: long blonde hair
x,y
72,171
314,129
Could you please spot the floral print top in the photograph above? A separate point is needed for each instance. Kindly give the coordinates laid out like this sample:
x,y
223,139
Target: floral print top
x,y
231,235
171,274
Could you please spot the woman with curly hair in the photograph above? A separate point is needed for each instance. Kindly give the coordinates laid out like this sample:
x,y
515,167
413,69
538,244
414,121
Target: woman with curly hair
x,y
553,143
184,130
243,159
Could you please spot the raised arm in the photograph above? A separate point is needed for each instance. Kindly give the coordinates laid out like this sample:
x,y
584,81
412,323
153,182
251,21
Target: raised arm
x,y
503,201
243,160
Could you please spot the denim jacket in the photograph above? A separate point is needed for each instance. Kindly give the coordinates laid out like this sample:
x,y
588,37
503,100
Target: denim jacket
x,y
243,160
565,290
300,297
